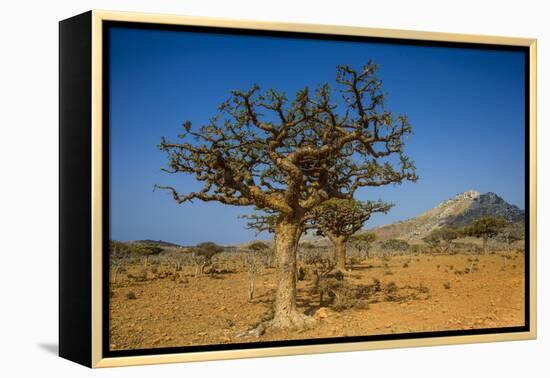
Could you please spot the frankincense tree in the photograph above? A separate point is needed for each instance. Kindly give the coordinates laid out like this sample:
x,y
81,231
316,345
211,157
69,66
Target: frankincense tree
x,y
289,156
340,219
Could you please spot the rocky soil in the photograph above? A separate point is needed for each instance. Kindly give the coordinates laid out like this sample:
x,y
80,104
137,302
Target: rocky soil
x,y
418,293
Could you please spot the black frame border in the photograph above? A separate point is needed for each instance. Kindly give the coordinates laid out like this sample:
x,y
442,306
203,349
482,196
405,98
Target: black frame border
x,y
106,27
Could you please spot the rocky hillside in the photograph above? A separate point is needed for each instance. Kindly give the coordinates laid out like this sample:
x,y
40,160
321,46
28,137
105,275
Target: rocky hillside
x,y
457,211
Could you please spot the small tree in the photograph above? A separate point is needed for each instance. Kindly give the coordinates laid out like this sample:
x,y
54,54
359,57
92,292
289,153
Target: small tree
x,y
180,259
118,253
337,219
362,242
485,228
262,249
395,245
509,235
440,240
290,156
340,219
145,251
253,266
258,246
203,254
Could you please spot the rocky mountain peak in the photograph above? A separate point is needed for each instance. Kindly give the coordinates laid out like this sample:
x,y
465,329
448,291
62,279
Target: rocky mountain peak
x,y
488,204
457,211
470,194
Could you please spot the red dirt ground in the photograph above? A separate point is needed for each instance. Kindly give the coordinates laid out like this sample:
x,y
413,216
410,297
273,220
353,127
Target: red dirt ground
x,y
214,309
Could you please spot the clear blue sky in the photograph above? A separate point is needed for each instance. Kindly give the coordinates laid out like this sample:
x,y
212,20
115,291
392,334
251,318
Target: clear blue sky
x,y
465,106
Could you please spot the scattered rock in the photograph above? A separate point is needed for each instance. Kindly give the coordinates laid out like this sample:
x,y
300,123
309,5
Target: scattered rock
x,y
321,313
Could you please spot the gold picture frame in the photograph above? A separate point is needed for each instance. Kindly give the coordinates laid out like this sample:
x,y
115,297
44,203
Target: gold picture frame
x,y
81,277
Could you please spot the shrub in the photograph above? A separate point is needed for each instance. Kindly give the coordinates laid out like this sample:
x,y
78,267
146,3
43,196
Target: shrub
x,y
362,243
485,228
203,253
376,284
395,245
416,248
340,295
131,295
258,246
440,240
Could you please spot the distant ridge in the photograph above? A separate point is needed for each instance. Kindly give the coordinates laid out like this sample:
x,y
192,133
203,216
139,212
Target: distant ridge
x,y
156,242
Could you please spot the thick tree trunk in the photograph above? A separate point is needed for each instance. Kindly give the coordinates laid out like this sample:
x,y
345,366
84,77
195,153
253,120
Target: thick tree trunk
x,y
286,315
340,253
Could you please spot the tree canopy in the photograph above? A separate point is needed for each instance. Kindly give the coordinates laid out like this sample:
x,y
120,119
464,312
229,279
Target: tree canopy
x,y
364,238
264,150
395,245
258,246
343,218
144,249
485,228
288,156
441,238
207,249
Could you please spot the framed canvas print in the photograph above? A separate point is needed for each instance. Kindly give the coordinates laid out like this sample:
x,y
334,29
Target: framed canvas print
x,y
235,189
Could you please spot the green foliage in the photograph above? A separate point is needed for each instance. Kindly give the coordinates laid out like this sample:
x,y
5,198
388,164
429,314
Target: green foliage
x,y
289,155
144,249
362,242
158,243
118,250
207,250
258,246
395,245
318,145
344,217
440,239
364,238
485,227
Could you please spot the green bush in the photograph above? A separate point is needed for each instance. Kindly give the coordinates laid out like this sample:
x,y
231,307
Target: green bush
x,y
395,245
